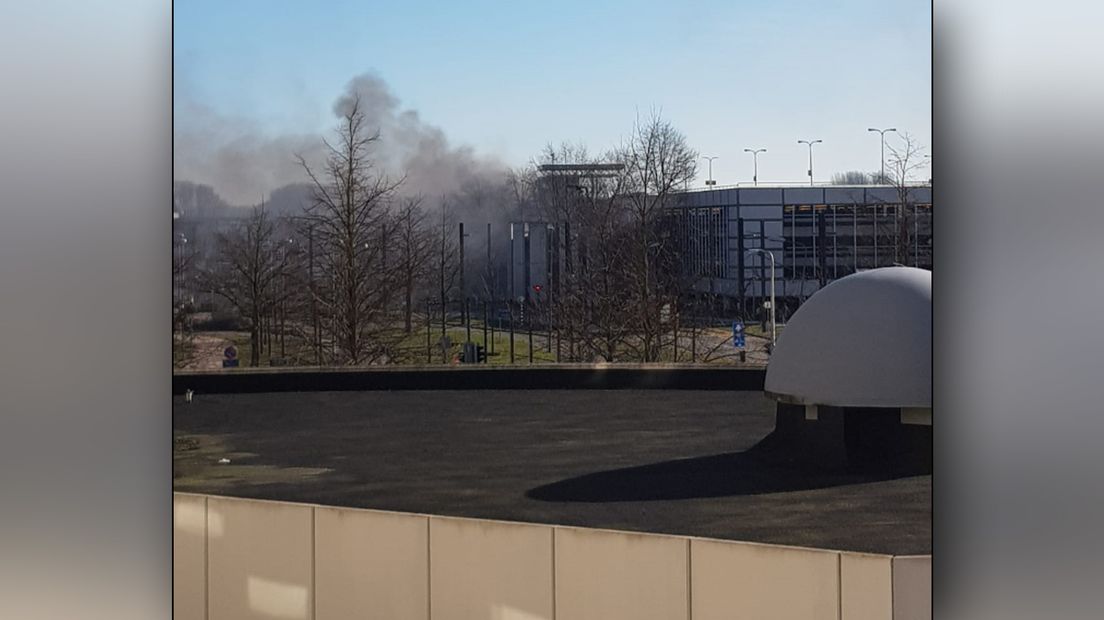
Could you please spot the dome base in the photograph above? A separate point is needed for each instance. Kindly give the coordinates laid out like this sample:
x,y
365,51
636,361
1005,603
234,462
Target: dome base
x,y
853,439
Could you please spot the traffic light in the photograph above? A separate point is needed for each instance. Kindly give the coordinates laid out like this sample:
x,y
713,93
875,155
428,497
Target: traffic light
x,y
480,354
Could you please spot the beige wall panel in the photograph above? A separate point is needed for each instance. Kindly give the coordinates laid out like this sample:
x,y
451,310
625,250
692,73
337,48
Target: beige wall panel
x,y
912,577
370,565
259,560
866,586
741,580
488,570
603,575
189,557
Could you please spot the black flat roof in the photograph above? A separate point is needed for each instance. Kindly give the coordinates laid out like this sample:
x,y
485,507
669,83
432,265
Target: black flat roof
x,y
664,461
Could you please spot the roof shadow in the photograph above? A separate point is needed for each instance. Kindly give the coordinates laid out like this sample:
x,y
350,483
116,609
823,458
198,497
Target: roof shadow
x,y
759,470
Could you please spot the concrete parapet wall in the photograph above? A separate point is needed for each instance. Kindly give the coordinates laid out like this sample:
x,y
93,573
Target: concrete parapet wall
x,y
260,560
489,570
240,558
745,580
912,587
604,574
542,377
370,564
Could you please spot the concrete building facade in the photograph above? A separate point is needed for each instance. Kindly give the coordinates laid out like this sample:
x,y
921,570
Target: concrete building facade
x,y
816,235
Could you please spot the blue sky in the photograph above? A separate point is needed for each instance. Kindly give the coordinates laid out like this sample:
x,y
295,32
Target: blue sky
x,y
507,77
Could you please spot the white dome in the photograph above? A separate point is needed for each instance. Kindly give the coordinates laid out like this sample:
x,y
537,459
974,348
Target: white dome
x,y
862,341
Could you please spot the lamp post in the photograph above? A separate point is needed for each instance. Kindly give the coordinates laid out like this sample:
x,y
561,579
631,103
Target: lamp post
x,y
180,283
755,162
774,326
710,181
810,143
882,133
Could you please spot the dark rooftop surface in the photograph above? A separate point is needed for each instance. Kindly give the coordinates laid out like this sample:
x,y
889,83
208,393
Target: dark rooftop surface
x,y
675,462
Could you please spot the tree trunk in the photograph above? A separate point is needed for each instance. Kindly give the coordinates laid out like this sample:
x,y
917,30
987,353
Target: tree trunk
x,y
255,343
409,310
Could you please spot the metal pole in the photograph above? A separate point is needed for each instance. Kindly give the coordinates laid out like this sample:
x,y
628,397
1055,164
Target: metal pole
x,y
551,241
882,133
774,323
444,311
510,286
810,164
463,291
773,315
333,318
755,163
916,235
676,332
694,336
710,182
810,143
510,306
526,258
316,335
854,238
875,229
429,333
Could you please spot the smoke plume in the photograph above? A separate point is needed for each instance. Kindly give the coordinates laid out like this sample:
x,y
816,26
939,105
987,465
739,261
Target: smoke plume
x,y
243,163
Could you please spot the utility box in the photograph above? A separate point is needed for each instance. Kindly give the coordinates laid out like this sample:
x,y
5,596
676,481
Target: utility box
x,y
473,353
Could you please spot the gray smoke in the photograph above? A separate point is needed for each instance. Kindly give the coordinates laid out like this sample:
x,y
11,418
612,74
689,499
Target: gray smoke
x,y
243,163
234,155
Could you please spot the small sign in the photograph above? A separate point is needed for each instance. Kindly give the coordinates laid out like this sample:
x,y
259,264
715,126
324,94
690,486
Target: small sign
x,y
231,353
767,305
230,363
738,334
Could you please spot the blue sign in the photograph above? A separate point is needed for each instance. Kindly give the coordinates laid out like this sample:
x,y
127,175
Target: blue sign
x,y
738,334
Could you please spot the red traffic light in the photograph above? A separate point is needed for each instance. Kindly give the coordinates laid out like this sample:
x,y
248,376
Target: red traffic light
x,y
537,288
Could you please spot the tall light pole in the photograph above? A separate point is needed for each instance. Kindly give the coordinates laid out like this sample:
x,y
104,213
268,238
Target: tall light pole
x,y
710,181
774,325
755,159
882,132
810,143
181,279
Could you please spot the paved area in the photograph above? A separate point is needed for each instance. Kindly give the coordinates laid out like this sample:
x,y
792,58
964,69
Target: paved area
x,y
679,462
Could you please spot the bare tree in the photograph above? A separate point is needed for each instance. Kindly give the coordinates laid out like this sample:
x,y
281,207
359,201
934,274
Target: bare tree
x,y
183,266
445,268
251,261
904,161
854,177
658,161
602,295
414,248
348,213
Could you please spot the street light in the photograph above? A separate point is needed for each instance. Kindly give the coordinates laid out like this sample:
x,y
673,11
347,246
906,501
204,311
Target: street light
x,y
755,159
774,326
882,132
710,181
810,156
